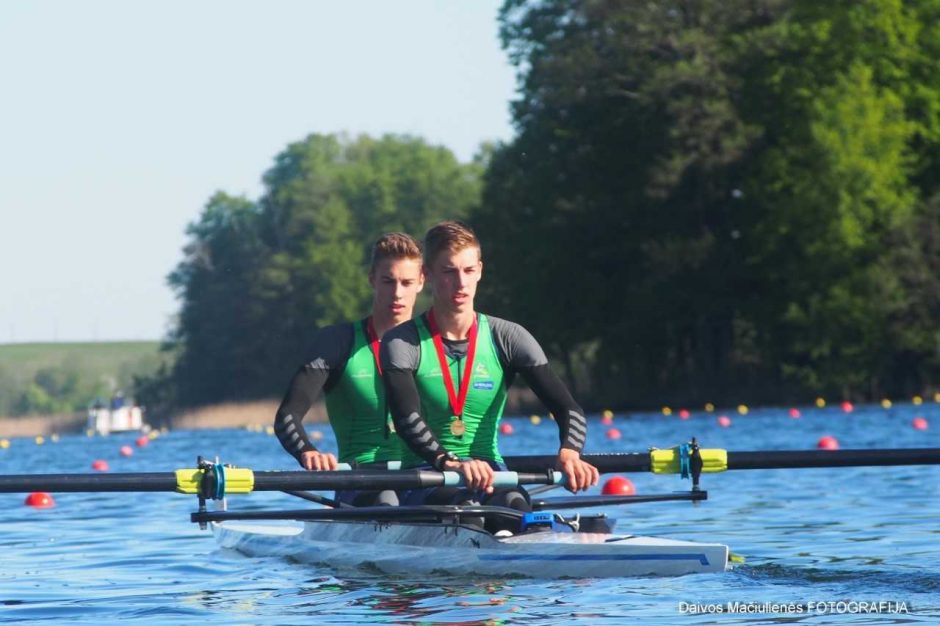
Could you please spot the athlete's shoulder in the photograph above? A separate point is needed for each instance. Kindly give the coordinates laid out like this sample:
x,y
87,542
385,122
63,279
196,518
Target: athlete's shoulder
x,y
517,344
400,347
331,345
406,331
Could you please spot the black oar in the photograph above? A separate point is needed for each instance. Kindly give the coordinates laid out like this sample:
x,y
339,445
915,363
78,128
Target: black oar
x,y
720,460
214,481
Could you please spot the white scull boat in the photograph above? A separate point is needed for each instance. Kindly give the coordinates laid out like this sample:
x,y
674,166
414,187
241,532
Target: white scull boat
x,y
407,548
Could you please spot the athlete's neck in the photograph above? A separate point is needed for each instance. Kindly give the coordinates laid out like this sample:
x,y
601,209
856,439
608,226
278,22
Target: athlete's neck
x,y
454,325
383,323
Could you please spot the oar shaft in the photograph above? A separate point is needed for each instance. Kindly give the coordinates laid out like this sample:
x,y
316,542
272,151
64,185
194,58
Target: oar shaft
x,y
261,481
781,459
772,459
60,483
387,479
605,463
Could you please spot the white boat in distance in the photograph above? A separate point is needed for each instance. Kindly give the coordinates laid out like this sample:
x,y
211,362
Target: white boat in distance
x,y
115,417
410,548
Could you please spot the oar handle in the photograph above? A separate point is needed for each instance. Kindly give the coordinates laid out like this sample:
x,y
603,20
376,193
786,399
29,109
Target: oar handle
x,y
500,478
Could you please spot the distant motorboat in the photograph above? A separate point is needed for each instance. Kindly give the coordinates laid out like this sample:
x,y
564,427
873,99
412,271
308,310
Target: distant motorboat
x,y
116,417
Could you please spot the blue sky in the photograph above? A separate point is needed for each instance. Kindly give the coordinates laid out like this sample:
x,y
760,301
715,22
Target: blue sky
x,y
118,120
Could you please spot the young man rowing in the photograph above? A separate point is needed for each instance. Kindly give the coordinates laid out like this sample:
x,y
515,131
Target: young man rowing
x,y
345,368
447,373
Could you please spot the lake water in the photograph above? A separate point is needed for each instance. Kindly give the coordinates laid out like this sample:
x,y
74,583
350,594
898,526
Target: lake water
x,y
833,537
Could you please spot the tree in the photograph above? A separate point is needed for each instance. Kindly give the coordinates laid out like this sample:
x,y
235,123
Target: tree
x,y
260,277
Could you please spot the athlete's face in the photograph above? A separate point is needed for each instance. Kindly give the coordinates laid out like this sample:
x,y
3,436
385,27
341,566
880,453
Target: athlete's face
x,y
454,277
396,284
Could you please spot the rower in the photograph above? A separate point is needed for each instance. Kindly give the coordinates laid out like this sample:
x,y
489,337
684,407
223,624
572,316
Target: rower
x,y
345,368
446,377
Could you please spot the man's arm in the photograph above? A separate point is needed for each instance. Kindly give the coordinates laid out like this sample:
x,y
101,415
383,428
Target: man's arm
x,y
523,354
572,426
400,355
288,421
331,347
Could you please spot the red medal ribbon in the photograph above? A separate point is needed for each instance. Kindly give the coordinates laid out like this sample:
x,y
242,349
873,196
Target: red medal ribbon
x,y
456,401
374,343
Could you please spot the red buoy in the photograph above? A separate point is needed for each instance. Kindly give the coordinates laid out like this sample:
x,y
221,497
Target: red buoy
x,y
505,428
618,486
126,451
795,413
613,433
39,500
827,442
684,414
724,421
847,407
142,441
920,423
100,465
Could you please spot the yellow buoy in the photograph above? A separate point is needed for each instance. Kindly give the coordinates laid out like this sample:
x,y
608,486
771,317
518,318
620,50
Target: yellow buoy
x,y
936,397
820,403
886,404
607,414
535,419
917,400
269,430
709,407
4,443
90,432
153,434
40,440
316,435
667,410
742,409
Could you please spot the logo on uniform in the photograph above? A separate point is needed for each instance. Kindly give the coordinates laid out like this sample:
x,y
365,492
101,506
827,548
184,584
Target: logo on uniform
x,y
483,384
480,370
363,373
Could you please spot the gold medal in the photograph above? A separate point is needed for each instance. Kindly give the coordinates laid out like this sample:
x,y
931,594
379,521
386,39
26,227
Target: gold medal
x,y
457,427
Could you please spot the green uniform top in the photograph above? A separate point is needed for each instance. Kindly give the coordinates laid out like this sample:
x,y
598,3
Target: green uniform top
x,y
486,397
344,368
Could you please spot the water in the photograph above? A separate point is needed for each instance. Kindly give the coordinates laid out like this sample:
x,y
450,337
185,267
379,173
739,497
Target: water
x,y
816,535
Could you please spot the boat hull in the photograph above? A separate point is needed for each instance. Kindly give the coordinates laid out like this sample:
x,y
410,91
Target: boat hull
x,y
406,548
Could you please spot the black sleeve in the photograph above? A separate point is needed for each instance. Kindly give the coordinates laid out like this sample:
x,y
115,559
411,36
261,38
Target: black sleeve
x,y
400,356
304,389
521,353
330,351
572,427
405,406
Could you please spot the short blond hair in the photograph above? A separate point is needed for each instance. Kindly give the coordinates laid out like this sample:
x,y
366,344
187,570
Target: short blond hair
x,y
394,246
452,236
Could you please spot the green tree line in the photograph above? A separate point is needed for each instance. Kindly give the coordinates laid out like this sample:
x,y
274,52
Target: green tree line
x,y
61,378
704,201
